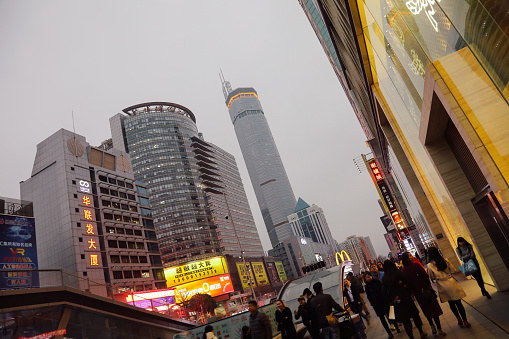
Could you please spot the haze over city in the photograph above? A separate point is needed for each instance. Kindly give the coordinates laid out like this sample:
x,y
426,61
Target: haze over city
x,y
94,59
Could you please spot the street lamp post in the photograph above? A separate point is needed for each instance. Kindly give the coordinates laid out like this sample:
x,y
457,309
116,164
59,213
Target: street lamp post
x,y
240,246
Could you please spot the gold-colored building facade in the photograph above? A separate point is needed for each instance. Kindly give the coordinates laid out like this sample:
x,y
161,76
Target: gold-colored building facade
x,y
438,74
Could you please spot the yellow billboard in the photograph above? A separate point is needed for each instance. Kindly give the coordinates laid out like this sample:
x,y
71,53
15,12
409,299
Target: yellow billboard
x,y
259,273
281,271
195,270
243,275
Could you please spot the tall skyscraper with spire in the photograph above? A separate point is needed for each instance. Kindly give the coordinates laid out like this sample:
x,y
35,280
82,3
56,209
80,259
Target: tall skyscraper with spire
x,y
268,176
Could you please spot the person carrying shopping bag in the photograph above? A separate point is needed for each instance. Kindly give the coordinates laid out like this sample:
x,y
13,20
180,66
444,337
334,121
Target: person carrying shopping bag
x,y
466,253
449,290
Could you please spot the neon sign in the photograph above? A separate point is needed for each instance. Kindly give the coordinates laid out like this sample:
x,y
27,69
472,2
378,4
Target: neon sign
x,y
94,260
342,256
377,173
87,214
84,186
417,6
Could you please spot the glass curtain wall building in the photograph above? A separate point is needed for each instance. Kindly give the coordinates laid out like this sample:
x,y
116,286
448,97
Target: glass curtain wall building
x,y
268,176
158,136
434,78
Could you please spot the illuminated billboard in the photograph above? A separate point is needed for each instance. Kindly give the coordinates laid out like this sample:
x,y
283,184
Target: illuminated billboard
x,y
213,286
18,251
243,275
281,271
259,273
195,270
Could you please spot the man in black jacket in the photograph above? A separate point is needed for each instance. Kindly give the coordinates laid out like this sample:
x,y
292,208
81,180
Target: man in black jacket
x,y
305,311
322,305
259,322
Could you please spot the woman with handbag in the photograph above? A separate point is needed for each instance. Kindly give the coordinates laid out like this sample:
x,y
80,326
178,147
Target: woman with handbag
x,y
425,295
440,270
396,290
466,252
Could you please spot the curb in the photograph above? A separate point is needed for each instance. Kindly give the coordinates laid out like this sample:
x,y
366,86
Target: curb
x,y
502,327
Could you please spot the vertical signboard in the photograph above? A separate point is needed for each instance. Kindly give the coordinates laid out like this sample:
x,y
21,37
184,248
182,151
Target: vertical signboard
x,y
18,252
271,269
87,216
259,273
281,271
243,275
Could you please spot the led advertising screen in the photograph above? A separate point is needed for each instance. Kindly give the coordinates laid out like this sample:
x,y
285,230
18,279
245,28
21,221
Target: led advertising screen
x,y
18,252
195,270
218,285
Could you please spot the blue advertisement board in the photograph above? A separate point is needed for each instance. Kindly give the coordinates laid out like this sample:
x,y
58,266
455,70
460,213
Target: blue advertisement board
x,y
18,252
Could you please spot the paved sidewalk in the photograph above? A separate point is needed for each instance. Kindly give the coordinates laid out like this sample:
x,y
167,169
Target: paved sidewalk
x,y
489,318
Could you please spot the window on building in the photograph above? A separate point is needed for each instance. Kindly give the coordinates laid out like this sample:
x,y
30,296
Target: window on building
x,y
120,230
125,259
117,217
126,219
138,233
128,275
82,256
108,216
134,259
104,190
136,274
133,208
131,245
103,178
124,207
145,274
131,197
129,231
143,260
106,203
129,185
115,259
123,195
114,193
121,183
112,244
122,244
115,204
140,246
112,181
117,275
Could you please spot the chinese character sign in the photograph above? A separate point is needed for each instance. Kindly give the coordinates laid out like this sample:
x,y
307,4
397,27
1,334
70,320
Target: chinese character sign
x,y
214,286
375,169
281,271
195,270
243,274
259,273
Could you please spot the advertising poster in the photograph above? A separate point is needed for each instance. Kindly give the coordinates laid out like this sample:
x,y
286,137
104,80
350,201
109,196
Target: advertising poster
x,y
213,286
18,252
243,275
271,268
281,271
231,328
195,270
259,273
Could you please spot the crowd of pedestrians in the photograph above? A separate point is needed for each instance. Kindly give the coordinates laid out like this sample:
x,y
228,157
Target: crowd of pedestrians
x,y
392,288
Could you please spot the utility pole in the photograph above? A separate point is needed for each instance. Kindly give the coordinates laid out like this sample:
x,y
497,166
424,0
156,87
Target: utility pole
x,y
240,247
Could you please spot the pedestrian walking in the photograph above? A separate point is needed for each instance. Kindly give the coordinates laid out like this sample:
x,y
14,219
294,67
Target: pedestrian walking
x,y
396,290
353,299
259,323
358,286
466,252
449,290
285,321
375,272
306,313
420,284
379,303
322,305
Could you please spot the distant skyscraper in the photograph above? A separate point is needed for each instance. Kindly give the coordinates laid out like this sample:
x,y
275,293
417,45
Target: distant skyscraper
x,y
309,221
358,250
268,176
169,155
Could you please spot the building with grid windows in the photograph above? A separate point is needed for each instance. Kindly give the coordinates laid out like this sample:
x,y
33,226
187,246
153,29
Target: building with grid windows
x,y
268,176
309,222
89,220
177,165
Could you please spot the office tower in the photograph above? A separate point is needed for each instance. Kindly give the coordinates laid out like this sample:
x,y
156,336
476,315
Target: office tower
x,y
358,250
169,155
268,176
89,222
227,199
309,221
431,88
369,246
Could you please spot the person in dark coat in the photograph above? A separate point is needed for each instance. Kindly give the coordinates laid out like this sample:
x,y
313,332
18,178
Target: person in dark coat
x,y
357,283
466,252
322,305
285,321
306,313
379,303
419,282
259,322
396,290
353,299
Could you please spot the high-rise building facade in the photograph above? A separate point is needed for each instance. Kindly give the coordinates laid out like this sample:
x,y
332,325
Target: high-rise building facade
x,y
230,211
431,83
358,250
309,221
266,171
177,165
89,221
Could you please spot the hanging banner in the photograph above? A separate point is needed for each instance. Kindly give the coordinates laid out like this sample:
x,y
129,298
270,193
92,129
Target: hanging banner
x,y
243,275
281,271
259,273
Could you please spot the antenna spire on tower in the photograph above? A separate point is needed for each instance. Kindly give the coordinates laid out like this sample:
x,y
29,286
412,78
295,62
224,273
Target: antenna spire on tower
x,y
227,87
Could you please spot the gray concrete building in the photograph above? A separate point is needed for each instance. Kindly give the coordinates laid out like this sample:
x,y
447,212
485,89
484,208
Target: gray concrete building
x,y
309,221
266,171
89,220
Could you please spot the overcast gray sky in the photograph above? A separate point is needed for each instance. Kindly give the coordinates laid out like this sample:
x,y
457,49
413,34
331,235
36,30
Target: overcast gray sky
x,y
97,57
